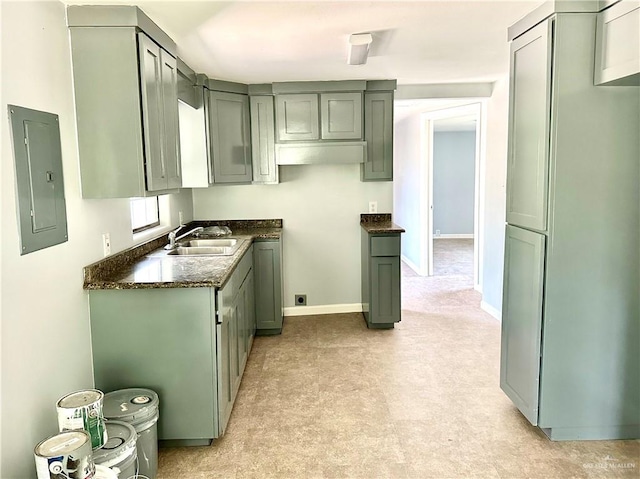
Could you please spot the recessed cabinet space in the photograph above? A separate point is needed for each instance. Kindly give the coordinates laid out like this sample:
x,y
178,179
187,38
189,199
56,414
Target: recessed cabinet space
x,y
229,137
341,116
125,85
618,45
297,117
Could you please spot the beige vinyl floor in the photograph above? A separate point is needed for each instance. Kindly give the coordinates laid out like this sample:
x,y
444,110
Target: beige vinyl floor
x,y
331,399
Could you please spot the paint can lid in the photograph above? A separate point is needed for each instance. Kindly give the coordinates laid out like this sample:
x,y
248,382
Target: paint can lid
x,y
135,405
81,398
63,443
120,446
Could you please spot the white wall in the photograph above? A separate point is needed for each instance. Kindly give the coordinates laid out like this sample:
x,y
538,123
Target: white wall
x,y
495,177
454,164
320,206
45,342
409,172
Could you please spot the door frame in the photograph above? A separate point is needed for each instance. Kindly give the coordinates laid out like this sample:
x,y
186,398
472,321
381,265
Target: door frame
x,y
478,109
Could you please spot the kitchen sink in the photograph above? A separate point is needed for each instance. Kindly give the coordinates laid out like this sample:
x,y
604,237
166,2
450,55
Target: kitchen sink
x,y
221,242
202,250
207,247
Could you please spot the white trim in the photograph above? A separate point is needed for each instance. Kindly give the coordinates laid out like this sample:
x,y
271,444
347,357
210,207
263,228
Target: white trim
x,y
412,265
496,313
323,309
455,236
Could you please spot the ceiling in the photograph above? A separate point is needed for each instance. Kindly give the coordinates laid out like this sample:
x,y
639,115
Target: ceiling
x,y
418,42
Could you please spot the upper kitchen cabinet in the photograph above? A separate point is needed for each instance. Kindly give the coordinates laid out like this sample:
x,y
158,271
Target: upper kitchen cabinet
x,y
229,137
341,115
528,153
125,83
263,150
618,45
297,117
378,133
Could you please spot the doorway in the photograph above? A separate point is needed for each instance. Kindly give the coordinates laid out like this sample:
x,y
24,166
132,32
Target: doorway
x,y
415,125
453,181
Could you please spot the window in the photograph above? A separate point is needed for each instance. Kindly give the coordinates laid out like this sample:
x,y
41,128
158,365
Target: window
x,y
144,213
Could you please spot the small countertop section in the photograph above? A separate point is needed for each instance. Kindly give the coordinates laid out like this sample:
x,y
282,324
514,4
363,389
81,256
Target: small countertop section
x,y
379,224
149,266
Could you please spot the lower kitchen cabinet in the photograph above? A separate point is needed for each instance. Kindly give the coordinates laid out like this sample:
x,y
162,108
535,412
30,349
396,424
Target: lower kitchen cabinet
x,y
381,279
190,345
267,266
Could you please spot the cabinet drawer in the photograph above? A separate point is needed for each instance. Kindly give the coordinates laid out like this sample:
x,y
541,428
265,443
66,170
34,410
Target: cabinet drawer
x,y
385,245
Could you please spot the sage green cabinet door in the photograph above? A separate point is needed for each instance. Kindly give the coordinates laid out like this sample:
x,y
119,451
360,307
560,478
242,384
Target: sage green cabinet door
x,y
267,268
171,144
385,290
297,117
263,137
161,339
341,115
152,113
528,156
378,133
522,319
229,138
618,45
225,375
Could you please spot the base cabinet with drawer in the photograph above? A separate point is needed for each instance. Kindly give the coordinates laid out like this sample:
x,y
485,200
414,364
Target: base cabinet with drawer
x,y
381,279
190,345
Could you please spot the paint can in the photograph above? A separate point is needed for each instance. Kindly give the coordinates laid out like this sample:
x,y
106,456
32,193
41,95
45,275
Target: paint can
x,y
82,410
140,408
119,453
65,455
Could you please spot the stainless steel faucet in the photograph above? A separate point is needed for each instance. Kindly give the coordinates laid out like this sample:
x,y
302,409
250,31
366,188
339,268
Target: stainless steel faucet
x,y
173,238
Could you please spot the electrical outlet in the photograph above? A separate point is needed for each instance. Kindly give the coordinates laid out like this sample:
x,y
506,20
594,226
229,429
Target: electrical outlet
x,y
437,232
180,218
301,300
373,206
106,244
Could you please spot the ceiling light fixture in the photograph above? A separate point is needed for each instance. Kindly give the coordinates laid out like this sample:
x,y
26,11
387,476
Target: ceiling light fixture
x,y
359,48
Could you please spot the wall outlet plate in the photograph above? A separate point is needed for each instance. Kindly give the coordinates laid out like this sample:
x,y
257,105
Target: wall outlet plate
x,y
106,244
437,232
373,206
300,300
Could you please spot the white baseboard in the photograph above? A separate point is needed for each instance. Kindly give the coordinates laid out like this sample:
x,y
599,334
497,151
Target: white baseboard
x,y
454,236
323,309
497,314
411,265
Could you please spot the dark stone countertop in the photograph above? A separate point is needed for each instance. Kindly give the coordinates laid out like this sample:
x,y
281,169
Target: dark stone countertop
x,y
149,266
379,223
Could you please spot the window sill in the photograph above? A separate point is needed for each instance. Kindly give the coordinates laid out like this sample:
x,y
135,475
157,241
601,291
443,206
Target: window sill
x,y
151,233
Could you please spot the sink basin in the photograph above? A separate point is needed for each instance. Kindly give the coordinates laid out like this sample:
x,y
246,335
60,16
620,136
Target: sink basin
x,y
222,242
207,247
202,250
